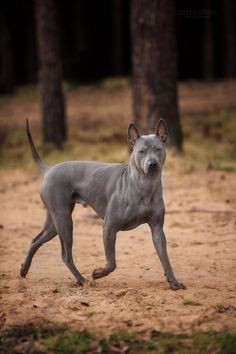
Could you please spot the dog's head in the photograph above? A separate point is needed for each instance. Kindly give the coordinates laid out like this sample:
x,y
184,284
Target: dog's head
x,y
149,150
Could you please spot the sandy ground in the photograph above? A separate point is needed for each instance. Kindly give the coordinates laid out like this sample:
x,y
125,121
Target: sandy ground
x,y
201,232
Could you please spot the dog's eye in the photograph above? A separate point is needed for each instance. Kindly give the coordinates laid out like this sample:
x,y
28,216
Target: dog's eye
x,y
158,149
141,152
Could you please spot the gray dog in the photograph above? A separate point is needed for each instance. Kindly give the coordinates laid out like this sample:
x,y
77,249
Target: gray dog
x,y
124,196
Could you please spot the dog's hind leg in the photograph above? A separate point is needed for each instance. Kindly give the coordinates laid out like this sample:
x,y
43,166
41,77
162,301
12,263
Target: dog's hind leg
x,y
64,226
45,235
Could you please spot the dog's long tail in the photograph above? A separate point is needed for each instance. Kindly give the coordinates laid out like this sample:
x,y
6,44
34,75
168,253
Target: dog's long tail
x,y
43,167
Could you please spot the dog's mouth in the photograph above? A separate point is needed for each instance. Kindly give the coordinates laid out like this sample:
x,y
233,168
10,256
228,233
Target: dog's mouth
x,y
153,172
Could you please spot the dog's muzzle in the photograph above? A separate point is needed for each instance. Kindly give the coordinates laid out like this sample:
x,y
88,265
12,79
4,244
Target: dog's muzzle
x,y
153,167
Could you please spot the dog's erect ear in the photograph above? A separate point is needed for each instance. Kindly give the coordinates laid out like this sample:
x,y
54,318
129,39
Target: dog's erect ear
x,y
133,134
161,130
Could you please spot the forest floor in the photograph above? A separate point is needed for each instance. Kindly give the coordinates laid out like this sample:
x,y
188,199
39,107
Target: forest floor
x,y
200,224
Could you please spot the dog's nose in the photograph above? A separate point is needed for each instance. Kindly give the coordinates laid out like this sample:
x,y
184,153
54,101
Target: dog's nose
x,y
152,164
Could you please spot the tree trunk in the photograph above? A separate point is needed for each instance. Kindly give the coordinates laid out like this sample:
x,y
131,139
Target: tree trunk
x,y
229,13
6,58
53,107
208,46
30,50
117,37
154,61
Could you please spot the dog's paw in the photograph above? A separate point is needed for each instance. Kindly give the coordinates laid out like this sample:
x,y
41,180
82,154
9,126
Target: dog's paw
x,y
175,285
82,281
102,272
23,271
98,273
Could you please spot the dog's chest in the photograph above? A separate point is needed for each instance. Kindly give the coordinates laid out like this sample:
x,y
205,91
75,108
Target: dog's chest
x,y
138,212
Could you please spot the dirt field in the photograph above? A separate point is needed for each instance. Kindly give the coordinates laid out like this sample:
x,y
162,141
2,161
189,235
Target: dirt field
x,y
199,192
200,228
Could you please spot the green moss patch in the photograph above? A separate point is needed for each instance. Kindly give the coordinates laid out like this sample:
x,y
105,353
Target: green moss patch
x,y
58,339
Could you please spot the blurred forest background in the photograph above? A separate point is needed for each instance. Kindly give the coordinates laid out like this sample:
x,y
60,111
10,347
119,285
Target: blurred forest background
x,y
88,54
96,42
81,71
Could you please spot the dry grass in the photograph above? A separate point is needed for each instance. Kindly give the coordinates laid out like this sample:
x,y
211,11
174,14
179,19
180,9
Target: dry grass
x,y
98,117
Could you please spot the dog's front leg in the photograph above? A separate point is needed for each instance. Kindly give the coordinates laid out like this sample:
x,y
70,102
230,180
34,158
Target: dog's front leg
x,y
109,240
159,241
